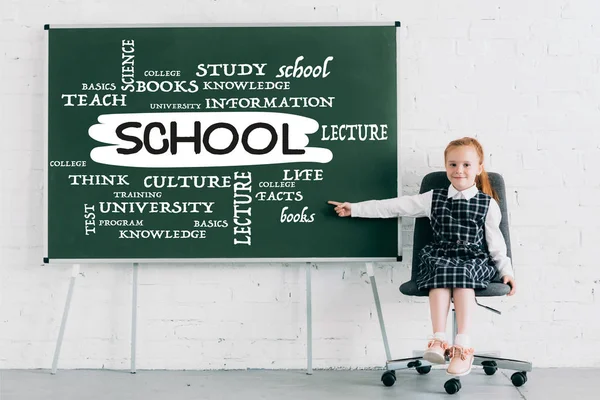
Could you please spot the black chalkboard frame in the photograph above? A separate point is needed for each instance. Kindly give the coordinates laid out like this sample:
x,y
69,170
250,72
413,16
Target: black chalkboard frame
x,y
78,259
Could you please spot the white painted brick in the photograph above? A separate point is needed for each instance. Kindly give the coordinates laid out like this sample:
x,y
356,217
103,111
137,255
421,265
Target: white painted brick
x,y
490,75
504,161
563,47
530,10
465,47
496,140
20,50
405,12
509,102
591,160
576,257
526,255
576,292
566,73
422,120
259,312
573,140
552,330
199,330
208,293
271,350
592,333
499,49
335,351
530,78
581,10
470,10
438,29
546,159
590,46
448,104
464,124
532,48
588,197
574,312
557,121
543,312
548,238
361,12
548,29
565,100
493,29
445,78
433,48
8,11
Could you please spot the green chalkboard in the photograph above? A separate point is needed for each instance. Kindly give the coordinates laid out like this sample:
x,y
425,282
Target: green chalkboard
x,y
219,142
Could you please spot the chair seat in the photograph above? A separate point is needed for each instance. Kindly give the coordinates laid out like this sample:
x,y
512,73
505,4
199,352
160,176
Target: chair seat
x,y
494,289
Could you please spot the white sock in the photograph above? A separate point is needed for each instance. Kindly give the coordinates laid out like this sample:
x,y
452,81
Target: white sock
x,y
462,340
440,336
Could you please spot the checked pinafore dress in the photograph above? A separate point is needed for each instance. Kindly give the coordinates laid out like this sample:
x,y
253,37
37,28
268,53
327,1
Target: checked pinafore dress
x,y
457,256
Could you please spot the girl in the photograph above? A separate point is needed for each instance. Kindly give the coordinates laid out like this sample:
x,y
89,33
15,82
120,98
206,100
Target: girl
x,y
455,263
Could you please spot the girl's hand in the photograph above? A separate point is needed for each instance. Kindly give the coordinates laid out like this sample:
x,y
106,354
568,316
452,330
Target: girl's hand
x,y
509,280
342,209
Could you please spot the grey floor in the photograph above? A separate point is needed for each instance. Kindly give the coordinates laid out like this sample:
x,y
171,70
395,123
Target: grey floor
x,y
290,385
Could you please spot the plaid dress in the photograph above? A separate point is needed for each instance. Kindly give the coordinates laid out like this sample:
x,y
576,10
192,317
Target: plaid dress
x,y
457,256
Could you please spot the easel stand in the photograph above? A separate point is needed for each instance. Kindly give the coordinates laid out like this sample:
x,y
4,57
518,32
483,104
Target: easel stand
x,y
75,273
309,347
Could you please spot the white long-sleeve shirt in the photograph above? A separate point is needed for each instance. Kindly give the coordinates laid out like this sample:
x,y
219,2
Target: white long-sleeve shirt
x,y
420,206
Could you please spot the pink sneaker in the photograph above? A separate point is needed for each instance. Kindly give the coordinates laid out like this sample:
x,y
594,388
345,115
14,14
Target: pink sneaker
x,y
436,351
461,360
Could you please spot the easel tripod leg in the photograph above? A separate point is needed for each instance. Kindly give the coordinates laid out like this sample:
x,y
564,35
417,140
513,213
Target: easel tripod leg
x,y
308,319
371,274
63,324
134,316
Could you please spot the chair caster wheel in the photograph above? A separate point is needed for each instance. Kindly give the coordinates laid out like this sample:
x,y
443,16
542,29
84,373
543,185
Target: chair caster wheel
x,y
489,367
424,370
490,370
452,386
519,378
388,378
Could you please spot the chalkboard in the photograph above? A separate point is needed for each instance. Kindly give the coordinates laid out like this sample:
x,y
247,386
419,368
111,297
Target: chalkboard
x,y
219,143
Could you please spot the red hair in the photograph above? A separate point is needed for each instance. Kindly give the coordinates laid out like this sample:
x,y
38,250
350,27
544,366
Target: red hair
x,y
482,180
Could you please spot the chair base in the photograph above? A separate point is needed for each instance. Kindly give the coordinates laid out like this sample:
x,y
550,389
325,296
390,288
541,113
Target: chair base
x,y
490,366
479,359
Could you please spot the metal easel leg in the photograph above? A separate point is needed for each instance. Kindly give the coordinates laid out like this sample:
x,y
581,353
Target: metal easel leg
x,y
134,316
63,323
371,274
308,320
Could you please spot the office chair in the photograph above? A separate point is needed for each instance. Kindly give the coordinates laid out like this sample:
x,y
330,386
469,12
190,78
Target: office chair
x,y
422,236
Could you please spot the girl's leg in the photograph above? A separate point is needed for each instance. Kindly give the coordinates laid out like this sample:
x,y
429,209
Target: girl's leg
x,y
439,305
464,301
461,353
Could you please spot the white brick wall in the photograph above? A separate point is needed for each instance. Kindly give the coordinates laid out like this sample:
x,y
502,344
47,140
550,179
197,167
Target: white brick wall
x,y
521,76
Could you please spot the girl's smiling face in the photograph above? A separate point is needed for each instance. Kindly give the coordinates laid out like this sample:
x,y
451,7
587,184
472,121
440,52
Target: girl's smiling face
x,y
462,166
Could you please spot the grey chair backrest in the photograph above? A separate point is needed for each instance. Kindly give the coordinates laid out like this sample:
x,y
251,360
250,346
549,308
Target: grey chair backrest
x,y
423,233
